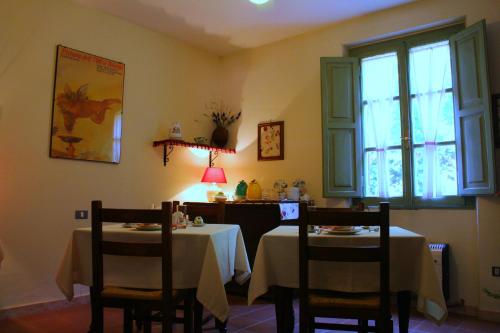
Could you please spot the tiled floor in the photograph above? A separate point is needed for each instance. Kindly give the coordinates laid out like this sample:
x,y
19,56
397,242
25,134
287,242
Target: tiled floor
x,y
243,319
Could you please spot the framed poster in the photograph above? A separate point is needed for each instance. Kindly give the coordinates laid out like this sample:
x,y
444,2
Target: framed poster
x,y
87,107
270,141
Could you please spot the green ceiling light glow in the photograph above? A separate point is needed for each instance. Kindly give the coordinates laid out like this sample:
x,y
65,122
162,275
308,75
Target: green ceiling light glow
x,y
259,2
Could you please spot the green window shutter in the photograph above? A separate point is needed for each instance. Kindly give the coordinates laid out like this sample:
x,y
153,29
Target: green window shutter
x,y
475,152
342,164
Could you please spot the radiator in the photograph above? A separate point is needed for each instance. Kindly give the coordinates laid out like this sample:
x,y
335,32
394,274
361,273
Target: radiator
x,y
440,256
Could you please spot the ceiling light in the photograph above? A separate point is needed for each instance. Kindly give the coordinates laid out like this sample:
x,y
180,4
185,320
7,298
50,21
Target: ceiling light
x,y
259,2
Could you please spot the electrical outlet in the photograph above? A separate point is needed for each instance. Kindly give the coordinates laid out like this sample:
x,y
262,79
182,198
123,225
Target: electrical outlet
x,y
81,214
495,271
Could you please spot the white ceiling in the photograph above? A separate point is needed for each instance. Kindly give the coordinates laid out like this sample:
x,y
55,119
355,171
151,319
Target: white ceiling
x,y
223,26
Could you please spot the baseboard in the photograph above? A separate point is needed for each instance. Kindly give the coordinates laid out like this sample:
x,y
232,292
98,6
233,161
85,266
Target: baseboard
x,y
489,315
469,311
473,311
42,307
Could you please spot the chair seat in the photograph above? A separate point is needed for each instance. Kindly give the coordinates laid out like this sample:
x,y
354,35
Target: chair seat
x,y
136,294
327,299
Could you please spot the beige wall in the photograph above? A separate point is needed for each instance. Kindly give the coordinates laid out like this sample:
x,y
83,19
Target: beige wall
x,y
168,81
281,81
165,80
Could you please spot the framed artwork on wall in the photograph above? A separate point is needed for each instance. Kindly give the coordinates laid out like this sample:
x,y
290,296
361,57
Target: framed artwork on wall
x,y
87,107
496,119
270,141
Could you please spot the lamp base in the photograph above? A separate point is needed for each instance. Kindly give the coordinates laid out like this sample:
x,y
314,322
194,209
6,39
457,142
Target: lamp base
x,y
211,195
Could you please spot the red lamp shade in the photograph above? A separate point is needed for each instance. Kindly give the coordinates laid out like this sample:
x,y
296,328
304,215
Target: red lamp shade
x,y
214,175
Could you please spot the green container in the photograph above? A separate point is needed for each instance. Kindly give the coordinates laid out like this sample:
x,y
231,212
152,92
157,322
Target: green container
x,y
241,190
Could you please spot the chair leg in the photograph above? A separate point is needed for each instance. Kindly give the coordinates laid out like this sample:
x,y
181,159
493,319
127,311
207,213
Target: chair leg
x,y
97,325
362,326
137,315
198,316
312,321
146,322
127,320
384,326
167,321
306,323
188,312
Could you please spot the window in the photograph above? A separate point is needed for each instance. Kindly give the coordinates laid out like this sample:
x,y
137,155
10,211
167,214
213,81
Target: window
x,y
409,121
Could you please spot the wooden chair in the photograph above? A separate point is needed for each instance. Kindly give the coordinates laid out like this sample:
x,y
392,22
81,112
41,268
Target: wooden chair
x,y
361,306
211,212
137,303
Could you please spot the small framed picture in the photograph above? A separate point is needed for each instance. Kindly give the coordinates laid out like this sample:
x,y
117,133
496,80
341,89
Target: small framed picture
x,y
496,119
271,143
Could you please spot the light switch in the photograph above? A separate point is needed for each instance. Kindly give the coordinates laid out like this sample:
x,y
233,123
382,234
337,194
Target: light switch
x,y
81,214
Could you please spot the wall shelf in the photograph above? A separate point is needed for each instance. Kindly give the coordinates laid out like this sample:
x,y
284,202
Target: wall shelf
x,y
169,144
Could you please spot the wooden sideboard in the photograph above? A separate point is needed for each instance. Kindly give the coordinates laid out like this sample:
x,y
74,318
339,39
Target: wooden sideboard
x,y
254,218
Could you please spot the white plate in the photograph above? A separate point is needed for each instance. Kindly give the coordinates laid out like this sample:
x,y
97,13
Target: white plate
x,y
341,232
148,228
198,225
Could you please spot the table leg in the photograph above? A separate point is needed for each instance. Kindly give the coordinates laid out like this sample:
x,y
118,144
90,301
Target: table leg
x,y
221,326
404,299
283,303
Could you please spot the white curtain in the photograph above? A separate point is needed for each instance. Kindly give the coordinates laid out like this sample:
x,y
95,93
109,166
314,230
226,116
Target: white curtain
x,y
429,77
380,86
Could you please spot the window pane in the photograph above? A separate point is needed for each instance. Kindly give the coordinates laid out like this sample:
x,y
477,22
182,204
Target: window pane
x,y
381,126
431,105
371,174
445,121
432,120
391,123
447,170
393,173
381,110
448,163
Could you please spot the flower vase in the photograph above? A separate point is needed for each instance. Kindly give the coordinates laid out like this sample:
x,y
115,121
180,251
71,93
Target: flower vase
x,y
292,193
220,136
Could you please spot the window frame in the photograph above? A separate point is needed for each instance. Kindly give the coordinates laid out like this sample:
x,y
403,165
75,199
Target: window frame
x,y
402,46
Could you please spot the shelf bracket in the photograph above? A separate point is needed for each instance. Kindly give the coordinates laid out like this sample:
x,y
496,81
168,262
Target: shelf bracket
x,y
166,153
211,158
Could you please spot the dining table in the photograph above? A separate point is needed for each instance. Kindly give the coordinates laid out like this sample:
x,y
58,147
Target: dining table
x,y
412,271
204,258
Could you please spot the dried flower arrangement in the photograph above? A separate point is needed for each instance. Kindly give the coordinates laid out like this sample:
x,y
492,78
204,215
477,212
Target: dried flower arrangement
x,y
301,184
221,113
280,186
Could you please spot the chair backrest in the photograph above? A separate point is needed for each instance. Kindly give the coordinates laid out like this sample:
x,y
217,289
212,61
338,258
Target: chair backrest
x,y
345,217
163,249
211,212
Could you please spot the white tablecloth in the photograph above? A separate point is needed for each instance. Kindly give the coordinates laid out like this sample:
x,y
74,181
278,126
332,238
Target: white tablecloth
x,y
205,258
412,267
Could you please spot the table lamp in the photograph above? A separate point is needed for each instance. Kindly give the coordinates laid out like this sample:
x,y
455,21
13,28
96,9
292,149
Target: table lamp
x,y
213,175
